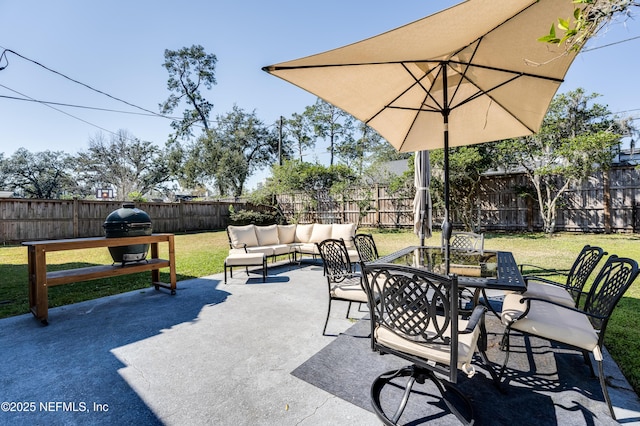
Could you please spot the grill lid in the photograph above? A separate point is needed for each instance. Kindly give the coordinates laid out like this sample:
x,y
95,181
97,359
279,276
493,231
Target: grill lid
x,y
128,214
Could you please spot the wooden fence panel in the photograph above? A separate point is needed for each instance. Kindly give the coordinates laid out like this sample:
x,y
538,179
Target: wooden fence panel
x,y
500,208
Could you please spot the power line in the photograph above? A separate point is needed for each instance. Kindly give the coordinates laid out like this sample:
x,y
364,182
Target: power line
x,y
610,44
27,99
64,112
4,54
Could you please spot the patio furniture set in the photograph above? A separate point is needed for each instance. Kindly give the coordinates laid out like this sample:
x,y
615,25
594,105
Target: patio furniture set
x,y
418,314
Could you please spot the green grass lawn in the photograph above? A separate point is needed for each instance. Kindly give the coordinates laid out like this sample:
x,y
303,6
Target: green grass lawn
x,y
203,254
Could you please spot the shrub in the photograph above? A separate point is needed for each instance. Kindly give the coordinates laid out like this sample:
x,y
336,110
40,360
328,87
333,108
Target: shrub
x,y
246,217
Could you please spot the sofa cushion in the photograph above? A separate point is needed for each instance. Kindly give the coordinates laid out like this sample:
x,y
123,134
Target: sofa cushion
x,y
303,233
345,231
286,234
266,250
241,235
320,232
267,235
308,248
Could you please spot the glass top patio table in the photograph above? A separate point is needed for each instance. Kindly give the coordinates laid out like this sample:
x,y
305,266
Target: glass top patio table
x,y
495,270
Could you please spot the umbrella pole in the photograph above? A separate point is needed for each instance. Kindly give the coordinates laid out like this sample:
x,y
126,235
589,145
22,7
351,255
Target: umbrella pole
x,y
446,225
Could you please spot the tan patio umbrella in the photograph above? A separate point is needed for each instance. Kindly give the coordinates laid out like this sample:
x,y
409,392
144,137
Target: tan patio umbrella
x,y
469,74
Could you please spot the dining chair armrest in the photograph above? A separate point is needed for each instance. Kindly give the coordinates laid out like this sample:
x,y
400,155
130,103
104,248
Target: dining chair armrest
x,y
477,316
528,300
541,271
542,279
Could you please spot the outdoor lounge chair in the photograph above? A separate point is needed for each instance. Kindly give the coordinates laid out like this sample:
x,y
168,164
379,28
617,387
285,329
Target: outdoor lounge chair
x,y
582,329
417,319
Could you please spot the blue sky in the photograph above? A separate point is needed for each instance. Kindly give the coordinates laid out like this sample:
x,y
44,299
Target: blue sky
x,y
117,47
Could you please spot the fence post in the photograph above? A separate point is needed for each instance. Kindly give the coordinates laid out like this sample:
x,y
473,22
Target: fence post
x,y
377,204
76,227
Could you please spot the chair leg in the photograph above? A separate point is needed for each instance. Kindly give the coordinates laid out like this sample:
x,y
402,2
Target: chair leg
x,y
348,311
504,346
587,360
420,375
482,347
605,392
264,270
225,272
324,330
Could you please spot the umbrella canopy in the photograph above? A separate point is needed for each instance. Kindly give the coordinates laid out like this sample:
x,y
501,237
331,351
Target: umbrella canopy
x,y
469,74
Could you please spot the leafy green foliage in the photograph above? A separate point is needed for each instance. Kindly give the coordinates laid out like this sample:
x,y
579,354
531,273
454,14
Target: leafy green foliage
x,y
189,68
466,165
332,123
246,217
588,18
232,151
576,139
46,174
136,168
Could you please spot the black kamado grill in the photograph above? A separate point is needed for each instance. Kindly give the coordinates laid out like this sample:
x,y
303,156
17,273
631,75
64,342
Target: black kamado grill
x,y
128,221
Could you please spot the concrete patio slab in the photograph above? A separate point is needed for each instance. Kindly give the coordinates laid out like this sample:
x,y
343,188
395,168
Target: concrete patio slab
x,y
212,354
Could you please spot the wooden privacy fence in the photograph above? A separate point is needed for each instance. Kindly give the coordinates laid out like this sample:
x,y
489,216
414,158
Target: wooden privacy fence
x,y
500,208
31,219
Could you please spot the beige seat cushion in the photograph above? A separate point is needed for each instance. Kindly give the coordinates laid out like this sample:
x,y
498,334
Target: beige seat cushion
x,y
350,290
240,235
280,249
432,351
267,251
309,248
549,292
244,259
551,322
267,235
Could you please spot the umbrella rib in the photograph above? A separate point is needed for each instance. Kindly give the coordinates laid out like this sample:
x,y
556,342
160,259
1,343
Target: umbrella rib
x,y
418,81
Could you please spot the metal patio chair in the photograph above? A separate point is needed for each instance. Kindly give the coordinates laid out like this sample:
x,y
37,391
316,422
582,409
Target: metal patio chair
x,y
366,247
581,329
466,241
343,284
416,318
571,290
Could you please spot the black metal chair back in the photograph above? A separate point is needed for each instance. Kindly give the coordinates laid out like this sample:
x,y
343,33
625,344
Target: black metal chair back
x,y
335,257
582,267
467,241
366,247
417,304
613,280
343,284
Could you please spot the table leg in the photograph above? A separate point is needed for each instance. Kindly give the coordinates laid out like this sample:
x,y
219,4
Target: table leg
x,y
172,264
39,284
155,274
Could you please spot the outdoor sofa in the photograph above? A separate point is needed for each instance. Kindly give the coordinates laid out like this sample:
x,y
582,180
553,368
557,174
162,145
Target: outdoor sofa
x,y
293,240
